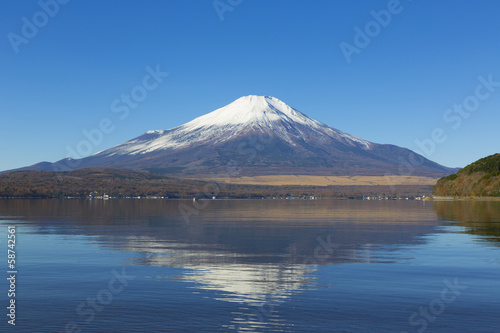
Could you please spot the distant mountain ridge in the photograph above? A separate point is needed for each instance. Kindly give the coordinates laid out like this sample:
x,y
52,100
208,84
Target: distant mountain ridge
x,y
258,135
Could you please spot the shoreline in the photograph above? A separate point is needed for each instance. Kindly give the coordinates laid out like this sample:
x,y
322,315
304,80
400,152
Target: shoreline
x,y
473,198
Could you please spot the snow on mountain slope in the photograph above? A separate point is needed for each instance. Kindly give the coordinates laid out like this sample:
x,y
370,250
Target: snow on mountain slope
x,y
264,114
258,135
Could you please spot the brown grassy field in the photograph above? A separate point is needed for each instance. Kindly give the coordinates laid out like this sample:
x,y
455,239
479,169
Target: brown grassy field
x,y
129,183
306,180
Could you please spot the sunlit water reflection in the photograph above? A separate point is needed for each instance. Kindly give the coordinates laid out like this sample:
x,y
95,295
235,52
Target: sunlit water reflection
x,y
255,266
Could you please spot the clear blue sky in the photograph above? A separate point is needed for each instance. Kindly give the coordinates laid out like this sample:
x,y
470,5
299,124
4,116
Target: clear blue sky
x,y
396,89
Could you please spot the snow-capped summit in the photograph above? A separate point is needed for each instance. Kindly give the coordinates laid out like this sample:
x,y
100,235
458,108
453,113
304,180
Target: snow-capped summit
x,y
252,109
251,113
260,135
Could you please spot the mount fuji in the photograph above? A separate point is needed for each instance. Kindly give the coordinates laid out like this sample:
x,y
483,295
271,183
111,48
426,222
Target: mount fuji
x,y
259,135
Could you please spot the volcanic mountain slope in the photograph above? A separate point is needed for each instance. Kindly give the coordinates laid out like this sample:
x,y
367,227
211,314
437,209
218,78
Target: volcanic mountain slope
x,y
255,135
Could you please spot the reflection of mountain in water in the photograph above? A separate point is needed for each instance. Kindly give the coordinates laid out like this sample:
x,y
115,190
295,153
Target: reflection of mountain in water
x,y
240,231
221,270
478,217
252,252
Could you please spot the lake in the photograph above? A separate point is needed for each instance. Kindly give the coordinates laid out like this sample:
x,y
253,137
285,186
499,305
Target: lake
x,y
141,265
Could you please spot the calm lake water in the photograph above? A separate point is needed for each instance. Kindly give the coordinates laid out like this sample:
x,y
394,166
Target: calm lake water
x,y
253,266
